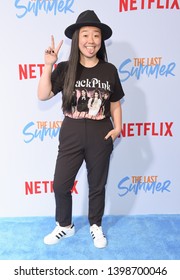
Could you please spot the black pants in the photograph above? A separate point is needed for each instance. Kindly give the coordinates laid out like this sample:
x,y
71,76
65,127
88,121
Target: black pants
x,y
82,139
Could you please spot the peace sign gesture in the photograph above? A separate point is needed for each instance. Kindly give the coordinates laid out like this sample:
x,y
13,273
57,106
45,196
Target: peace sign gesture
x,y
51,54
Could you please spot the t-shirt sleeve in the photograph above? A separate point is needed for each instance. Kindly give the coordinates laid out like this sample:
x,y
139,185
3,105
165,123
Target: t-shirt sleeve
x,y
118,91
57,77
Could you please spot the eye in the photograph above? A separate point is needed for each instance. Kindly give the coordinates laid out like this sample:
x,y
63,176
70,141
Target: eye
x,y
97,35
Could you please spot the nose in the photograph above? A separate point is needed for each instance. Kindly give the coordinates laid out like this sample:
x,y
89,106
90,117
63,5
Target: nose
x,y
90,39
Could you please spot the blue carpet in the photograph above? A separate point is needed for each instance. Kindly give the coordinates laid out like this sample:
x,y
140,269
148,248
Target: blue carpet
x,y
139,237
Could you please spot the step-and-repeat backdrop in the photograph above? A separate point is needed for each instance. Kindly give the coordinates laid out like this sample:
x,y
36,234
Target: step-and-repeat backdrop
x,y
144,175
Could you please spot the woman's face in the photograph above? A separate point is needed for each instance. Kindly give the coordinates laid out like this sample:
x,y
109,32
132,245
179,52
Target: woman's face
x,y
89,41
83,93
96,94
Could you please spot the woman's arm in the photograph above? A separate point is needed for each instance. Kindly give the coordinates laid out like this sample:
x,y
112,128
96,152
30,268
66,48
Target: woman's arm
x,y
44,86
116,114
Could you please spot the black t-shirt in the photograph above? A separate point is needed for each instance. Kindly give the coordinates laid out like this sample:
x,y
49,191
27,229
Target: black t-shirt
x,y
95,88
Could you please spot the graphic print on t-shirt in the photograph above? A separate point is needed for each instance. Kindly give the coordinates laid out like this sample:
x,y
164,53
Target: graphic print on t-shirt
x,y
94,90
89,104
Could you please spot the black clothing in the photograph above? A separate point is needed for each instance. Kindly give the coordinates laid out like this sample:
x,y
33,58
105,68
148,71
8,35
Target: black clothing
x,y
102,78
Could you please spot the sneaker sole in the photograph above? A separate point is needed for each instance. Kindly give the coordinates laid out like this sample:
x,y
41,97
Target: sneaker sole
x,y
100,246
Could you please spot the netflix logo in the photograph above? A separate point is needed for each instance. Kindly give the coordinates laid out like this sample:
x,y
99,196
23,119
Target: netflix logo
x,y
31,71
148,128
44,187
134,5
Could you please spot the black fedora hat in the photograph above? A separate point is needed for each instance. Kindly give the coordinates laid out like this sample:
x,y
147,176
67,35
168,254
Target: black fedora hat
x,y
88,18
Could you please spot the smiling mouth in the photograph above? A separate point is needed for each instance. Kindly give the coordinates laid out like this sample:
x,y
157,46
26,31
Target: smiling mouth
x,y
90,49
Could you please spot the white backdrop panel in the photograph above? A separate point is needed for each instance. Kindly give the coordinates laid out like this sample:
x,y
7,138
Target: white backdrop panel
x,y
144,172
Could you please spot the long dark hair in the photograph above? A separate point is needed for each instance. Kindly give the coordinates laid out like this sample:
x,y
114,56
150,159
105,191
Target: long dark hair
x,y
71,72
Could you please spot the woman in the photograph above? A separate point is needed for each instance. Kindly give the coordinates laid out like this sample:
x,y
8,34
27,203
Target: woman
x,y
94,104
82,106
83,138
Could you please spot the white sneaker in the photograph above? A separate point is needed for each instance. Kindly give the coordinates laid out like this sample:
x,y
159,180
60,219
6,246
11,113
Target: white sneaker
x,y
98,236
59,233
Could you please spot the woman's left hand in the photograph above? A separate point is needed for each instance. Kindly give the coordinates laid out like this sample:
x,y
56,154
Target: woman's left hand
x,y
113,134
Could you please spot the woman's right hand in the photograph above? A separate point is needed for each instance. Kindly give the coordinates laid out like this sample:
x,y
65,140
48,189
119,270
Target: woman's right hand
x,y
51,54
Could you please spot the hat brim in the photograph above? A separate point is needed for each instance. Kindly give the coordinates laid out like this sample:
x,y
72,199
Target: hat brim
x,y
105,29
